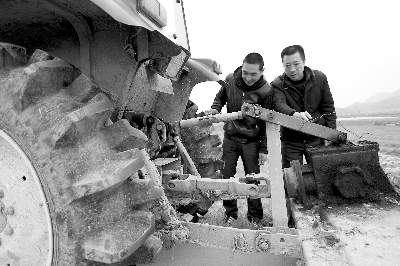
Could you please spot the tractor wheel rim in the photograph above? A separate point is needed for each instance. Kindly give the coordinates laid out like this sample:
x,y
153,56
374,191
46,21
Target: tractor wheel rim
x,y
26,232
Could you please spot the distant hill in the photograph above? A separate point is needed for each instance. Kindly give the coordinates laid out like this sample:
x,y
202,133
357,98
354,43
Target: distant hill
x,y
390,103
378,97
383,103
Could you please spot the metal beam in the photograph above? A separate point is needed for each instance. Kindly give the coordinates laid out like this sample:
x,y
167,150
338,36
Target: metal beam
x,y
278,199
217,189
210,119
294,123
185,156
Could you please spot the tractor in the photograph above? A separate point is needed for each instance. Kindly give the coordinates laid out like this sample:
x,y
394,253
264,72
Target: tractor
x,y
99,142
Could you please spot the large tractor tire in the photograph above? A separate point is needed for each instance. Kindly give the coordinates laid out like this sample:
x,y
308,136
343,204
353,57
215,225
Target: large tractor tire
x,y
203,145
67,195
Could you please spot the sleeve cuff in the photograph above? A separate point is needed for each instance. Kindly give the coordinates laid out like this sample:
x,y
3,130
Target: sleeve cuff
x,y
216,108
263,150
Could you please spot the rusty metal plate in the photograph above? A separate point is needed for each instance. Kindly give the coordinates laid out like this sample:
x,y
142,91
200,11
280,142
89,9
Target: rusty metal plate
x,y
275,240
352,170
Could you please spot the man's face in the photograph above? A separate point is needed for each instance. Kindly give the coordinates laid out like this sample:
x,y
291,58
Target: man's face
x,y
294,66
251,73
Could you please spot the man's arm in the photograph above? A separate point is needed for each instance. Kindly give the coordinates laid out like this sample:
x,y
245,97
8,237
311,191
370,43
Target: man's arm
x,y
220,99
328,106
280,104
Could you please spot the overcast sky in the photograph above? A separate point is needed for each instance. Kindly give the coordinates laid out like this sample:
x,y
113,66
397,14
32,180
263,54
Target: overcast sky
x,y
355,43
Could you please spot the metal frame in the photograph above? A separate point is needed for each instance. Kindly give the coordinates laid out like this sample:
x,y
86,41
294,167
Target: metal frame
x,y
274,240
280,239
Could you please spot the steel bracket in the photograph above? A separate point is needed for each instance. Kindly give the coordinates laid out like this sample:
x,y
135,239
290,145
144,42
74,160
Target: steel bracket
x,y
168,58
216,189
275,240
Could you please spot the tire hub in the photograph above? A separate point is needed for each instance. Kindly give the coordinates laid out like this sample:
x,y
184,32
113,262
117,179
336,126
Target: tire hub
x,y
25,225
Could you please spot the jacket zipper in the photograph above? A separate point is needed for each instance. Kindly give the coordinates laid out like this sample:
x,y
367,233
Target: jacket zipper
x,y
302,97
298,94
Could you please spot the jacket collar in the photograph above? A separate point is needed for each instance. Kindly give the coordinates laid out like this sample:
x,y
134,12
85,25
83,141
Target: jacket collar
x,y
237,75
309,77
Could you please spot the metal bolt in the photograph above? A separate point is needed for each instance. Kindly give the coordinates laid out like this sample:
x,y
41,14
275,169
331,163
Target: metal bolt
x,y
264,246
10,210
1,194
8,231
262,242
171,185
240,243
253,191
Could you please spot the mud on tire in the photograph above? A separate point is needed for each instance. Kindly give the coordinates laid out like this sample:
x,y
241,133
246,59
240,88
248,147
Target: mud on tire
x,y
58,117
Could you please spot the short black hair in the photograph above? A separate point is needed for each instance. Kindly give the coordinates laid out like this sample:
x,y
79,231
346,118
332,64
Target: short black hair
x,y
292,50
254,58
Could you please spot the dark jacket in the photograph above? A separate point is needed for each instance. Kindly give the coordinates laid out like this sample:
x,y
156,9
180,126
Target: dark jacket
x,y
234,95
317,101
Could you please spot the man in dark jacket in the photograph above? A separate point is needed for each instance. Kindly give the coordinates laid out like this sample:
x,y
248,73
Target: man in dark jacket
x,y
245,137
303,93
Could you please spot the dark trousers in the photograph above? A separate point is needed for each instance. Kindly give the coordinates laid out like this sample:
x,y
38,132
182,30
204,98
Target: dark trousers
x,y
295,150
249,154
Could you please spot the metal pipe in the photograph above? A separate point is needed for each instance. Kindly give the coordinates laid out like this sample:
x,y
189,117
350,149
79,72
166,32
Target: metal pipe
x,y
185,156
210,119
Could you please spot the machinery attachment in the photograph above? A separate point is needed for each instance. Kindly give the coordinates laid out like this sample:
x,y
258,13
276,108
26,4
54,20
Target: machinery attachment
x,y
214,189
293,123
347,171
342,170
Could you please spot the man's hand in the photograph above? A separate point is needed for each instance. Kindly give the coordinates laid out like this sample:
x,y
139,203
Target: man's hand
x,y
211,112
262,158
302,115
